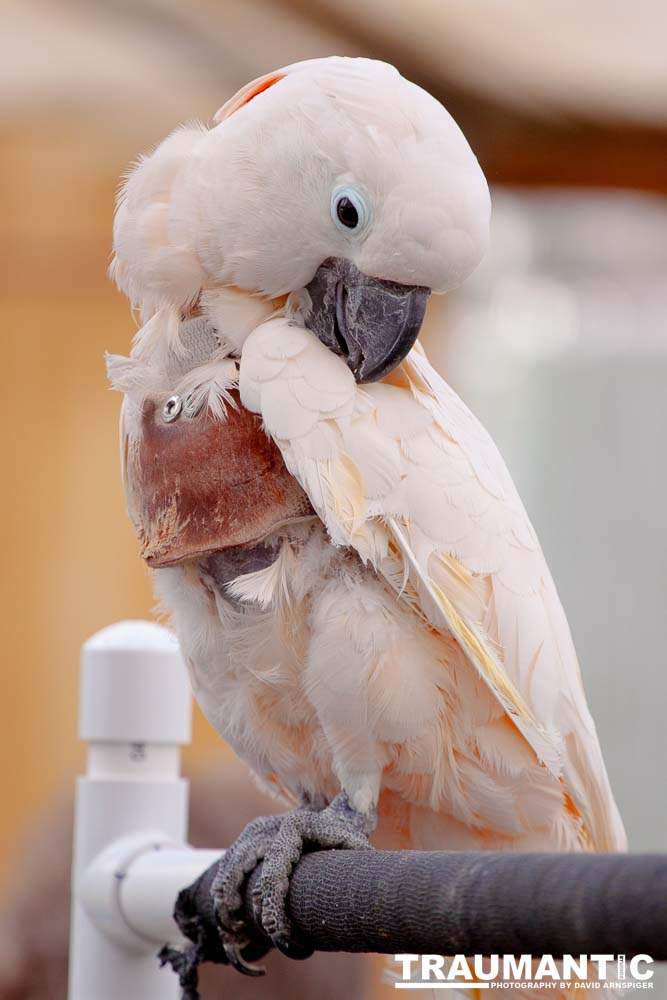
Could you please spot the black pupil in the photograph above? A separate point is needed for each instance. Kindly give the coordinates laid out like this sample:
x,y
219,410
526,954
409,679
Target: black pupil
x,y
347,213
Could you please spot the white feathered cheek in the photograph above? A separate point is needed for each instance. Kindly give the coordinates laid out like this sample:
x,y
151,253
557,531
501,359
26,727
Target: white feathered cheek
x,y
152,270
156,263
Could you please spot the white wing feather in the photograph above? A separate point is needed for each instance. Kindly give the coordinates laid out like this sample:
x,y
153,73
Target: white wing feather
x,y
402,471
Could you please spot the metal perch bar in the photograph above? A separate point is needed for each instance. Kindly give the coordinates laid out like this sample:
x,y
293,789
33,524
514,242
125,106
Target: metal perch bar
x,y
469,903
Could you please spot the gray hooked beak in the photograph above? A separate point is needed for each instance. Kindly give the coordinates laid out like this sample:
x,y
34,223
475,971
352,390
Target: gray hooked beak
x,y
369,322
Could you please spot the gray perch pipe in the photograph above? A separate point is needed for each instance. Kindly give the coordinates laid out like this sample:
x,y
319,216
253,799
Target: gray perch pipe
x,y
452,903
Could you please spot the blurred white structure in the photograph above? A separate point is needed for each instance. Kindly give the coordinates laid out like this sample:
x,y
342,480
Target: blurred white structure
x,y
559,345
130,856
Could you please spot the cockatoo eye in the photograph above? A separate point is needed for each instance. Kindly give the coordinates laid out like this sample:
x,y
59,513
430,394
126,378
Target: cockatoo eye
x,y
347,213
349,210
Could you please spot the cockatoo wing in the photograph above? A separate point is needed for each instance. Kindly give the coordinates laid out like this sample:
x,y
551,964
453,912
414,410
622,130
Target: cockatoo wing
x,y
404,473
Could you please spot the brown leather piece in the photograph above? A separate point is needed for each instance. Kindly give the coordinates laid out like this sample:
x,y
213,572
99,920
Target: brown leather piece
x,y
197,486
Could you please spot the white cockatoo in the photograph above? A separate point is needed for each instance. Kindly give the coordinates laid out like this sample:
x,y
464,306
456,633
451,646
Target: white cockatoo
x,y
378,635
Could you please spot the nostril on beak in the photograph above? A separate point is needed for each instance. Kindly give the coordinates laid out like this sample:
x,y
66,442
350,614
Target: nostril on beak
x,y
339,318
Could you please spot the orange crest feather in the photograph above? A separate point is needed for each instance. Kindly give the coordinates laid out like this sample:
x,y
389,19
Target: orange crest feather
x,y
246,94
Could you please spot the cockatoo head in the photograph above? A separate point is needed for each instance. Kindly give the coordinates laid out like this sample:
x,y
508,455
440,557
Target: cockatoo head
x,y
335,182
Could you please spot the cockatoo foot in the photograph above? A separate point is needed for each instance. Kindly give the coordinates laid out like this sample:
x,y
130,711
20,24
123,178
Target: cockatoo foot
x,y
338,825
236,864
279,841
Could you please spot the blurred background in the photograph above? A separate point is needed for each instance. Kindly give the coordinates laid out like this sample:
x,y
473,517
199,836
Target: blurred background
x,y
558,343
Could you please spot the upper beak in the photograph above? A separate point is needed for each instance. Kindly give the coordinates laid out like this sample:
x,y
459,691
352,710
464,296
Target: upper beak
x,y
370,322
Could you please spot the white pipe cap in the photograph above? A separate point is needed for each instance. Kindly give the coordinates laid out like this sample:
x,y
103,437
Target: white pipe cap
x,y
134,686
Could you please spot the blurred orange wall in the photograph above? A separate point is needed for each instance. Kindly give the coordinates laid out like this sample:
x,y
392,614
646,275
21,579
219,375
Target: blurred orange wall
x,y
70,557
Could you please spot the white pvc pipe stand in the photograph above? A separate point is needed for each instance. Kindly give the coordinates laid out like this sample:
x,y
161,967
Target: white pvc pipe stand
x,y
130,856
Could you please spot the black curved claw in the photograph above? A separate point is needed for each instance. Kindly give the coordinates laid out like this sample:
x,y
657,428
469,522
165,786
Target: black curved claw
x,y
291,946
234,953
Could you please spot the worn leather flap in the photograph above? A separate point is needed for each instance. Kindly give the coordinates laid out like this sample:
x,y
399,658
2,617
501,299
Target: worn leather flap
x,y
198,486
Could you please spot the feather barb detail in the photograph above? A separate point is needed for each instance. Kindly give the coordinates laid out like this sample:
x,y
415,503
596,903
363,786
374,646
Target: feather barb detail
x,y
478,650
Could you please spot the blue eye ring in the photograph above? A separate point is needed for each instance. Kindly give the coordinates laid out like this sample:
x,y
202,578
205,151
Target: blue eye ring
x,y
349,210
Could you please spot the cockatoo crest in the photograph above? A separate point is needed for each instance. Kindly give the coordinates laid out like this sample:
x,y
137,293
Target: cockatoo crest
x,y
246,94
